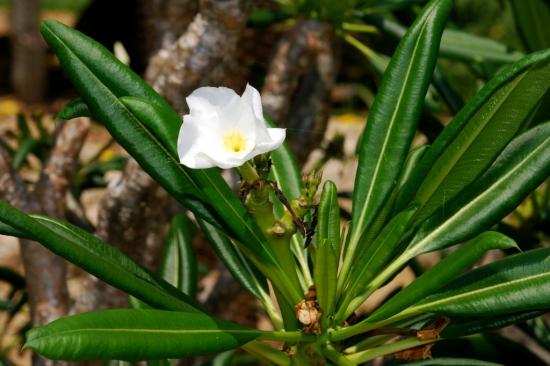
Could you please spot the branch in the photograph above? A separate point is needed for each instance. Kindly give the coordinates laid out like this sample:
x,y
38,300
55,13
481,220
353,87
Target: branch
x,y
297,87
199,55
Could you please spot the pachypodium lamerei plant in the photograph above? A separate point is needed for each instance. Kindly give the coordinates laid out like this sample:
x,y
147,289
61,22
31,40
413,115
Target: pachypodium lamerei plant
x,y
406,202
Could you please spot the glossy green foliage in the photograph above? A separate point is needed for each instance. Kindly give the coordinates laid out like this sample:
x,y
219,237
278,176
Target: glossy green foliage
x,y
456,44
104,82
464,46
75,108
328,248
379,253
326,269
475,137
136,335
460,327
443,272
96,257
519,169
532,18
328,226
233,260
178,265
517,283
394,116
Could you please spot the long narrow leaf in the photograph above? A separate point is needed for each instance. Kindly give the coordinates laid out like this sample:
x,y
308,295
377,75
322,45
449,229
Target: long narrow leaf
x,y
517,283
394,116
532,18
97,258
136,335
178,265
476,136
519,169
443,272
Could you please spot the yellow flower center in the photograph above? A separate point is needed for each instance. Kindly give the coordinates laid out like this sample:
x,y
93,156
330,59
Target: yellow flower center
x,y
234,142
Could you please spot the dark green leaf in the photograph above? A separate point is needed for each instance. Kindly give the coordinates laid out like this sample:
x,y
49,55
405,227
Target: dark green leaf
x,y
233,260
460,327
443,272
97,258
532,18
517,283
74,109
328,226
475,137
136,335
519,169
178,265
394,116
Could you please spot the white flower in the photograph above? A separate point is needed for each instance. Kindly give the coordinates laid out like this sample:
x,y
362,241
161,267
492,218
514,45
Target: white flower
x,y
225,130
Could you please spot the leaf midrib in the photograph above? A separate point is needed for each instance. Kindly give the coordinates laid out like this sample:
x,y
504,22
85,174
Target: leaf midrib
x,y
438,179
418,247
427,306
358,232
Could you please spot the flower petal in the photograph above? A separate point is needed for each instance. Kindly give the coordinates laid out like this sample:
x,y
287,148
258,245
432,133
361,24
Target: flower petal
x,y
191,145
276,138
208,100
251,96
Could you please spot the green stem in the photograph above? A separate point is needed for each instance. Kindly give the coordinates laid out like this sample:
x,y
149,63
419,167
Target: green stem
x,y
267,353
248,173
270,309
371,354
302,261
336,357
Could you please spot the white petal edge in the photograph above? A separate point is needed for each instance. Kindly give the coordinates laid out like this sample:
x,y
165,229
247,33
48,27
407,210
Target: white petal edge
x,y
208,99
252,97
277,137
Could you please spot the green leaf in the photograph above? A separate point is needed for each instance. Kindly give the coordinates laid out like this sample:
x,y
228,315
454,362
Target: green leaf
x,y
447,361
161,121
456,44
125,334
414,157
519,169
372,261
25,148
460,327
475,137
74,109
459,45
517,283
443,272
285,171
328,226
532,18
97,258
178,265
394,116
326,269
233,260
102,80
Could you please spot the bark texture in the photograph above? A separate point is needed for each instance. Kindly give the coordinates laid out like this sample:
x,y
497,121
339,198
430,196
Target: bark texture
x,y
296,92
46,273
28,68
203,55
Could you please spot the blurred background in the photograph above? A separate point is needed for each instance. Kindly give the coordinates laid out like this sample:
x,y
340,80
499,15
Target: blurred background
x,y
318,65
